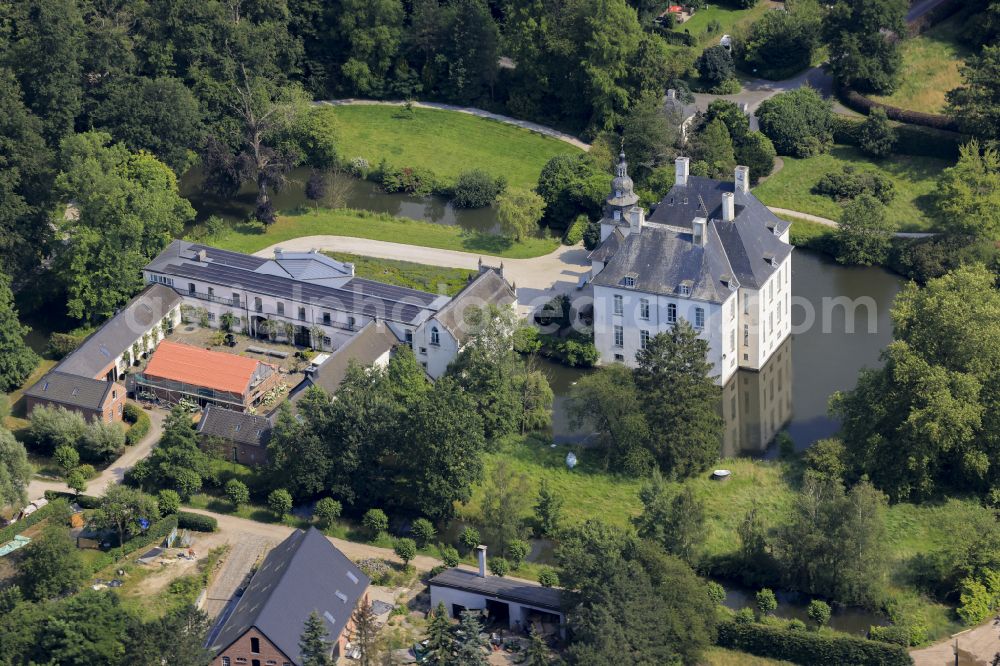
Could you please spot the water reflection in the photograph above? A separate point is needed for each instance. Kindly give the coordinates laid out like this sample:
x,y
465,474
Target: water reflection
x,y
757,405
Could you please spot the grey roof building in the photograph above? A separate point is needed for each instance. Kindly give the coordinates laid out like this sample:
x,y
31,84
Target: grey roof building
x,y
72,391
487,288
236,427
303,574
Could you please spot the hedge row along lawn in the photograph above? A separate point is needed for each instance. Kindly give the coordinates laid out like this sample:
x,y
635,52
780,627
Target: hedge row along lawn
x,y
249,238
433,279
446,142
914,178
912,529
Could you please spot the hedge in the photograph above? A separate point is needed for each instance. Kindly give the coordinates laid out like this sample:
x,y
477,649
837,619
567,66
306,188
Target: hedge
x,y
138,429
809,647
862,104
61,344
157,532
910,139
9,532
196,521
574,234
84,501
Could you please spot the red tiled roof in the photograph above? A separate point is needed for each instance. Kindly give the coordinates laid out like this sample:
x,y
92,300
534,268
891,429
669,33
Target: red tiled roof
x,y
201,367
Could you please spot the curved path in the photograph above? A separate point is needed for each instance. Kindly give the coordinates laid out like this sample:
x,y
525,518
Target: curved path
x,y
472,111
827,222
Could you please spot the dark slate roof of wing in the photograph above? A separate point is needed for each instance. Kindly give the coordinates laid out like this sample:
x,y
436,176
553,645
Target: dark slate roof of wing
x,y
71,390
302,574
660,258
117,334
548,598
235,426
365,347
365,297
608,247
746,246
487,287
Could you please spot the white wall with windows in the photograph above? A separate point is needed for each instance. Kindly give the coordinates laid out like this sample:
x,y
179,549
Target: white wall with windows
x,y
766,317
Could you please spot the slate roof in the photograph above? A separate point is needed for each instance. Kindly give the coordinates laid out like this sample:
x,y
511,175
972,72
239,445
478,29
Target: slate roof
x,y
367,345
180,260
302,574
506,589
489,287
117,334
235,426
660,258
608,248
71,390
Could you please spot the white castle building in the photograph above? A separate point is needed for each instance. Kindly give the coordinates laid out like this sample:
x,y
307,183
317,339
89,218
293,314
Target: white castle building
x,y
710,253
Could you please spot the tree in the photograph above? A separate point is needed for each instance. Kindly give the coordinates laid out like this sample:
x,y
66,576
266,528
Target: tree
x,y
279,501
128,207
440,641
968,196
297,457
756,152
571,186
476,189
680,401
176,638
648,136
864,234
675,520
405,549
548,577
975,103
876,135
499,566
537,653
76,481
519,212
55,427
17,360
779,44
15,470
367,37
715,65
313,645
863,39
67,458
317,186
470,538
505,502
375,521
121,508
102,441
548,510
168,502
50,565
819,612
423,531
766,602
327,511
800,122
608,402
237,492
714,147
753,540
470,649
364,631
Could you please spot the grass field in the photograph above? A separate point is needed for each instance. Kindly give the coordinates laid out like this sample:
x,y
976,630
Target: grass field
x,y
717,656
729,17
914,178
434,279
250,238
913,529
446,142
930,68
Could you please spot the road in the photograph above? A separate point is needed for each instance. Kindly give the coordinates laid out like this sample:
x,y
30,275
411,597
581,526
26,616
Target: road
x,y
976,646
116,470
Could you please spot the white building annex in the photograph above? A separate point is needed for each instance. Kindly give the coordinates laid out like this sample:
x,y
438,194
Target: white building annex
x,y
322,299
710,253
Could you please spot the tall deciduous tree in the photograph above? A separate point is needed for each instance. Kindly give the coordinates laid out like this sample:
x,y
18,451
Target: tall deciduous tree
x,y
648,136
680,401
673,519
607,401
121,508
863,38
124,209
968,195
519,212
864,233
15,471
976,103
17,360
50,566
505,505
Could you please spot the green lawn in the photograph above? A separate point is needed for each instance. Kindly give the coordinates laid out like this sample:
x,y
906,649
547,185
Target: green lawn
x,y
728,17
930,68
446,142
250,238
434,279
593,493
717,656
914,178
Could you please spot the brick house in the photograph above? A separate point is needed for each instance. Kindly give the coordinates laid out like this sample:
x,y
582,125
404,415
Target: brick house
x,y
244,435
95,399
304,573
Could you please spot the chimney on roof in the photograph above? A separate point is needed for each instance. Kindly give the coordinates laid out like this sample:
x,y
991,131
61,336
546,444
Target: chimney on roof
x,y
636,218
681,165
481,558
728,207
699,227
202,256
277,252
743,179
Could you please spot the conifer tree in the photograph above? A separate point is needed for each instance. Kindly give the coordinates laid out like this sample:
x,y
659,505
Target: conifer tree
x,y
440,642
537,653
363,634
313,643
470,646
17,360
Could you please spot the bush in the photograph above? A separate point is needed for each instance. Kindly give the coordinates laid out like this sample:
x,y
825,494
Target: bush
x,y
716,592
743,616
327,511
715,65
131,412
799,123
575,350
237,492
87,470
139,428
405,549
819,612
61,344
851,183
66,458
476,189
766,602
156,533
876,136
517,550
375,521
980,596
575,232
891,634
279,502
411,180
196,521
376,569
169,502
470,538
423,531
812,648
548,577
449,555
796,624
499,566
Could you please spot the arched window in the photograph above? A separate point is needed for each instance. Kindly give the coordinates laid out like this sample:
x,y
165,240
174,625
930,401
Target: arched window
x,y
435,336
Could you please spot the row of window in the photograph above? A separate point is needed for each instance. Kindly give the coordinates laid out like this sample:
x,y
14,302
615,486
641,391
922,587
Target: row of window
x,y
620,338
619,310
162,280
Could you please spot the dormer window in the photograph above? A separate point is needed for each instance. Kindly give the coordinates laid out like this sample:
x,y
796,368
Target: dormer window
x,y
618,194
685,290
629,281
